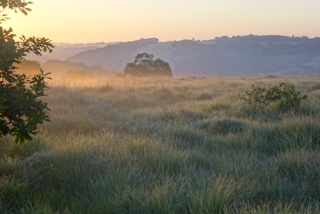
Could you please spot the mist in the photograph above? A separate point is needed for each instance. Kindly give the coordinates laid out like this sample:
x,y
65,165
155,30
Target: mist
x,y
237,55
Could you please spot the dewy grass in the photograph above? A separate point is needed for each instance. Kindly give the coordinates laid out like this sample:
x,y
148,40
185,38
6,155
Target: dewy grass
x,y
224,126
122,145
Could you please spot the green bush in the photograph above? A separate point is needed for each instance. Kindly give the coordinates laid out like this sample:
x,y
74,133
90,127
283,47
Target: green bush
x,y
281,97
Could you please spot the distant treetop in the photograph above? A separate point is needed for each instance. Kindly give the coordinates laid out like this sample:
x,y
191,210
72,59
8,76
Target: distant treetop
x,y
144,65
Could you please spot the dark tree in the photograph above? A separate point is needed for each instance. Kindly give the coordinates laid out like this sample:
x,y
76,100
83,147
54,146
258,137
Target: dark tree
x,y
144,65
21,107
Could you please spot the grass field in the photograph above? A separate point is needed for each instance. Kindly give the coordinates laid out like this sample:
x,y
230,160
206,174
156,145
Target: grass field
x,y
189,145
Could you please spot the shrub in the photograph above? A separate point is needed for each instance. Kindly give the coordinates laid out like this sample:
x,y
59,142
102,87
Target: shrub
x,y
283,97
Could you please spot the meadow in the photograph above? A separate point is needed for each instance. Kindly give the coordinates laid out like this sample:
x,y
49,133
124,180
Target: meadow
x,y
166,145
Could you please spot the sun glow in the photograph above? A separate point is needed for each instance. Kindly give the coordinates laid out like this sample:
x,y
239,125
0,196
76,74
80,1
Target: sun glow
x,y
98,20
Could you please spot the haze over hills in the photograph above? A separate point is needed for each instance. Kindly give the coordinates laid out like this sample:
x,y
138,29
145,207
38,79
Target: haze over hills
x,y
113,56
238,55
65,50
58,67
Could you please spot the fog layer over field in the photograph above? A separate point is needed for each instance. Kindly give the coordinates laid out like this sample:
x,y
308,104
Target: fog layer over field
x,y
238,55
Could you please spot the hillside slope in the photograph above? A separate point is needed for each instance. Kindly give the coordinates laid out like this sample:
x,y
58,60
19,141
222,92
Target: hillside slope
x,y
239,55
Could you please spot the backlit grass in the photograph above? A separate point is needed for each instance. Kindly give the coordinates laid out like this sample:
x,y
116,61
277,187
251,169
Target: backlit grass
x,y
121,145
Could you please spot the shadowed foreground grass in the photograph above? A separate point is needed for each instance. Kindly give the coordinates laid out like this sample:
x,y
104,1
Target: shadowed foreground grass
x,y
119,145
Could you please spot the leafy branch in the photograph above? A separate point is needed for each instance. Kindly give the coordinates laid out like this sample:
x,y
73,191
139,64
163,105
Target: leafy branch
x,y
21,107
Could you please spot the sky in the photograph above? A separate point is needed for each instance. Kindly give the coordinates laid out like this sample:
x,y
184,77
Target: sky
x,y
85,21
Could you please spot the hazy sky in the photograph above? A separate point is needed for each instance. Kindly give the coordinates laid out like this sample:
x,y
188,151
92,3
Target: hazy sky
x,y
125,20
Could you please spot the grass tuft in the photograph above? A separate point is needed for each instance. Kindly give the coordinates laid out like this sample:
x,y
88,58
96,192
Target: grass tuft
x,y
224,126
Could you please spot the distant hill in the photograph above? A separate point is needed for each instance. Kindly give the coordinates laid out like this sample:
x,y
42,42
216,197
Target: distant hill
x,y
113,56
65,50
237,55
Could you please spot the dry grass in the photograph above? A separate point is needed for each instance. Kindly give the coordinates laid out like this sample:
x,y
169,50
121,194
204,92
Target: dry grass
x,y
189,145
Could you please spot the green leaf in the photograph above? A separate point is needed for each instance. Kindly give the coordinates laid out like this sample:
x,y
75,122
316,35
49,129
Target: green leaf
x,y
21,109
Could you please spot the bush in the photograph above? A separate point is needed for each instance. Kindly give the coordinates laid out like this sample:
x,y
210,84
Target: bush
x,y
282,97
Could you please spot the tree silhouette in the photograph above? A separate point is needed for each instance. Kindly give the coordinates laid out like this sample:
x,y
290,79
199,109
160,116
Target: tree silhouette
x,y
21,109
144,65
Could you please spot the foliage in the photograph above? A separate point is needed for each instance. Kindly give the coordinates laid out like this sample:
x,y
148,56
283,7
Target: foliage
x,y
283,96
144,65
21,109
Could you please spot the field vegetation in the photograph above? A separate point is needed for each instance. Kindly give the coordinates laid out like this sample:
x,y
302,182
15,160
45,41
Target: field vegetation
x,y
166,145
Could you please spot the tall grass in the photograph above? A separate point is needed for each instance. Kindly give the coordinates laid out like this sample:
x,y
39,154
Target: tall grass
x,y
121,145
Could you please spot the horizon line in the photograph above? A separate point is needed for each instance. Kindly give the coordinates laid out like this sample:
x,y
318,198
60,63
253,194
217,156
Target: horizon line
x,y
189,39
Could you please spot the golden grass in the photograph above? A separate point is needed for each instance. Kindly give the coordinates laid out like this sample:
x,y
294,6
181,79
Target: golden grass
x,y
166,145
